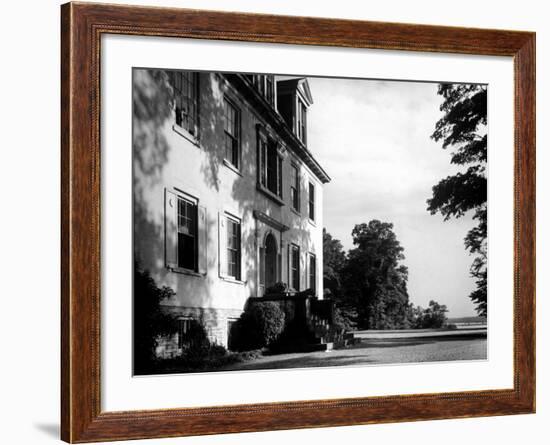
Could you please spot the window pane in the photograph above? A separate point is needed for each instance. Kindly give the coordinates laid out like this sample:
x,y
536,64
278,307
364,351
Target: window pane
x,y
186,251
272,162
312,271
185,84
187,229
294,189
233,248
295,257
231,129
311,201
263,163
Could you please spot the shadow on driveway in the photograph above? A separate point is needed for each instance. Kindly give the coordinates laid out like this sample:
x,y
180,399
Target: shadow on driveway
x,y
385,351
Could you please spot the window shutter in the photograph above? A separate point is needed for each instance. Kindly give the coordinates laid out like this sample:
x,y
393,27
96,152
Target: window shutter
x,y
307,272
280,176
262,270
303,275
194,104
203,239
294,115
279,268
289,268
170,229
240,265
304,136
222,244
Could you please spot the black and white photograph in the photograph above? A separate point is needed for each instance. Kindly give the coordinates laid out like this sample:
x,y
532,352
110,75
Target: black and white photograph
x,y
295,221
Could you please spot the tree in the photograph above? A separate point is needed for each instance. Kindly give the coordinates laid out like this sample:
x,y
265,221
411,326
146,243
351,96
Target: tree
x,y
463,128
375,281
433,317
334,260
150,321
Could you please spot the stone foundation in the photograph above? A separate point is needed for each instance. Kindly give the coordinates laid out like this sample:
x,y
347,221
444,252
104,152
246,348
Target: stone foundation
x,y
214,321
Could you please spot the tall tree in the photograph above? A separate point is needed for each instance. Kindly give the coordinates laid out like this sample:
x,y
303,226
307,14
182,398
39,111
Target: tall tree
x,y
334,260
375,281
463,128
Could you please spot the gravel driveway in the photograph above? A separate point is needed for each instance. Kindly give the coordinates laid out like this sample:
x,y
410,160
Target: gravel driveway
x,y
377,351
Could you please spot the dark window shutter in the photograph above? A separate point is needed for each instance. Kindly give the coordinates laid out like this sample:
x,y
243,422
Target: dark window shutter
x,y
170,229
262,270
222,244
203,239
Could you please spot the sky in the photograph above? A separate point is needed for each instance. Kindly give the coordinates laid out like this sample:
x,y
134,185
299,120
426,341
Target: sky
x,y
373,139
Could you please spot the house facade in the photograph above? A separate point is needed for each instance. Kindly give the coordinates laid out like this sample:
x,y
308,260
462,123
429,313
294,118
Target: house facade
x,y
227,192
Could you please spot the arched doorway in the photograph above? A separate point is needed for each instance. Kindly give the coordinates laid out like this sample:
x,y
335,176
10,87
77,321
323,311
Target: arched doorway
x,y
270,260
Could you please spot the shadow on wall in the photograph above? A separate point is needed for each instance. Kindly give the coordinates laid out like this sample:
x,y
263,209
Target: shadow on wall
x,y
153,150
153,117
152,109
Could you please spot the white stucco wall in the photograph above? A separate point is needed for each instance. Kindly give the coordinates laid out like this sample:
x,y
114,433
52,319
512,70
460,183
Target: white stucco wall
x,y
164,158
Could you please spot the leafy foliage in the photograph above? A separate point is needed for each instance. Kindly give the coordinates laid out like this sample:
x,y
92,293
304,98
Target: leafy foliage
x,y
196,342
334,260
277,288
431,318
463,127
150,321
259,326
375,281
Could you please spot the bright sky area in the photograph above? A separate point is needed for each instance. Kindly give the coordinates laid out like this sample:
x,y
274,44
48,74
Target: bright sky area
x,y
373,139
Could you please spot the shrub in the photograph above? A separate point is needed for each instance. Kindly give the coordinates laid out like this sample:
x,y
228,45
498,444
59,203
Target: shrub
x,y
198,352
277,288
259,326
215,358
196,341
150,322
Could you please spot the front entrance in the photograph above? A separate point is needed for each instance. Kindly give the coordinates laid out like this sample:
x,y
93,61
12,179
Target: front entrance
x,y
270,260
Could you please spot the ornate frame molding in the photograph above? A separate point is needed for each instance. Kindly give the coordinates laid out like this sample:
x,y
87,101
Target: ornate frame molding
x,y
82,26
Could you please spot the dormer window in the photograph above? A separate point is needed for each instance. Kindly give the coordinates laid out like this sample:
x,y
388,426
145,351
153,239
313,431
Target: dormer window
x,y
293,100
301,121
265,85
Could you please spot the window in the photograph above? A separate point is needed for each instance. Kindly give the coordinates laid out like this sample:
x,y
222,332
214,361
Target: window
x,y
185,335
295,267
270,166
233,248
270,89
231,133
187,234
311,202
185,84
262,161
301,121
265,85
232,325
295,188
274,170
312,271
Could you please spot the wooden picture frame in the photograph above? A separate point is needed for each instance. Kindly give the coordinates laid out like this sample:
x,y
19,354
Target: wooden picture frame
x,y
82,26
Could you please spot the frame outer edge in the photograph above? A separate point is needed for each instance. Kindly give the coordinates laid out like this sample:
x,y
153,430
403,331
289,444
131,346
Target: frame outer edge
x,y
79,229
525,98
82,419
66,90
